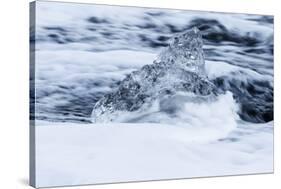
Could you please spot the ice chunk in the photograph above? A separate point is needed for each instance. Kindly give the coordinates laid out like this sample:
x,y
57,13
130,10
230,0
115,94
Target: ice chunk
x,y
179,68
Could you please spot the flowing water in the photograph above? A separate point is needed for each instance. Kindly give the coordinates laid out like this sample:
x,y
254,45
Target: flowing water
x,y
84,53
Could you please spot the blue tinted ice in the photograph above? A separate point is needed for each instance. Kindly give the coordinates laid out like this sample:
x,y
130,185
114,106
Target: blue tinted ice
x,y
179,68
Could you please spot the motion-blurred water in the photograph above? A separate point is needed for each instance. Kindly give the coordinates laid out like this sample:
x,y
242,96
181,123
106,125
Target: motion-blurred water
x,y
83,52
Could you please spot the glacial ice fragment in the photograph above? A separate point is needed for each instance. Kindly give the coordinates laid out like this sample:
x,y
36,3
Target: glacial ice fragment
x,y
179,68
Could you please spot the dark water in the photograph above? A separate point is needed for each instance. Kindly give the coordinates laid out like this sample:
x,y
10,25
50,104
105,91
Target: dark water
x,y
74,68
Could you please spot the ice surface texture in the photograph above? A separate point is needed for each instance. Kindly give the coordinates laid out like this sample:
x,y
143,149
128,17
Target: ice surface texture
x,y
179,68
185,50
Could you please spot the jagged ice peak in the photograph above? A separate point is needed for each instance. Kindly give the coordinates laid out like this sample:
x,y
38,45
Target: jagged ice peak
x,y
185,50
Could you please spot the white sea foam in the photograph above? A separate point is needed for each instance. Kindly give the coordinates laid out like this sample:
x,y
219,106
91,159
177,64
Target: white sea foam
x,y
125,24
122,152
216,69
